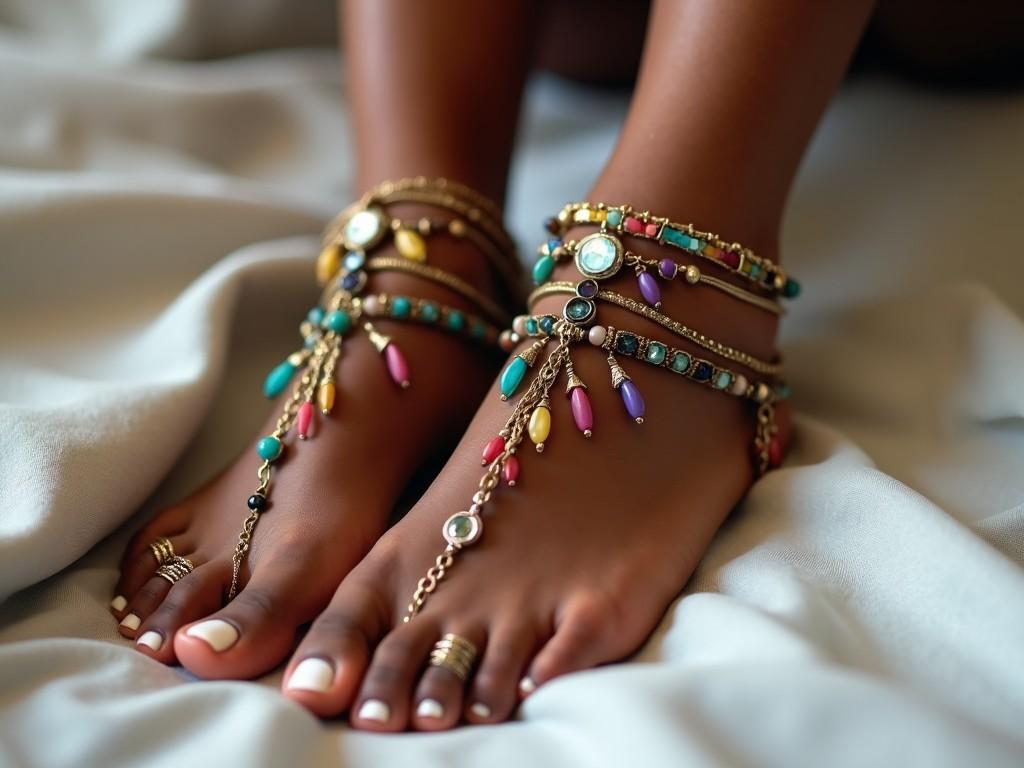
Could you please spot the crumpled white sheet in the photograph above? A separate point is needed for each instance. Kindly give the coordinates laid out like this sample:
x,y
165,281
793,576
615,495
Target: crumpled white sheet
x,y
864,606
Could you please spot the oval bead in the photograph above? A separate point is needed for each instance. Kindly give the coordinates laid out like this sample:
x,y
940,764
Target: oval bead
x,y
510,472
277,379
492,450
304,420
582,412
542,269
649,289
397,367
512,376
633,400
411,245
540,425
327,264
269,448
325,397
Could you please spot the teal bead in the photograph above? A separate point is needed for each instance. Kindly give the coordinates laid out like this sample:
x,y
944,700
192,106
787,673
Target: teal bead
x,y
656,353
456,320
512,376
429,312
277,379
614,218
791,289
315,316
542,269
722,381
269,448
755,271
675,237
338,321
680,362
547,324
478,330
400,306
531,326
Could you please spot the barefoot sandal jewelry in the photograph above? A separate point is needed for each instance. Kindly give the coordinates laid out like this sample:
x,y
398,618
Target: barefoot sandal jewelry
x,y
531,417
344,311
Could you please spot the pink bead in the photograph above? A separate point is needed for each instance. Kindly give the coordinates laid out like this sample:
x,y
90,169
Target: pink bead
x,y
397,367
492,450
634,225
651,230
582,413
304,420
510,472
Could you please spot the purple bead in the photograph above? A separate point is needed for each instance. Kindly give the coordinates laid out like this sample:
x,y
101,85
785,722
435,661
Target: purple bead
x,y
649,289
667,268
632,399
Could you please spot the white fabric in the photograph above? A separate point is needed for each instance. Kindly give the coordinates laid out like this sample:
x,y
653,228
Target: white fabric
x,y
865,606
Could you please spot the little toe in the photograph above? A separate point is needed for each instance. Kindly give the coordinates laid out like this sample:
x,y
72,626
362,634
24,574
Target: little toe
x,y
384,698
327,667
252,633
135,574
196,595
142,605
441,690
492,696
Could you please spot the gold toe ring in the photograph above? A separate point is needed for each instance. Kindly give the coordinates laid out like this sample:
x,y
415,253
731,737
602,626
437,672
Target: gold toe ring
x,y
175,570
162,550
454,653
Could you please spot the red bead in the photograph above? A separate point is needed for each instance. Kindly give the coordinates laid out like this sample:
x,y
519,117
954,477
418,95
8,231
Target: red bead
x,y
774,452
304,420
397,367
634,225
730,259
492,450
510,472
651,230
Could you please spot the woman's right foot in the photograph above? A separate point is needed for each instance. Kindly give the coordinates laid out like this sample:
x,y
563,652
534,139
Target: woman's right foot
x,y
332,496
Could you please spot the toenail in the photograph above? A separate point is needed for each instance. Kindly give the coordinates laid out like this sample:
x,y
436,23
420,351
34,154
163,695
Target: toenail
x,y
311,675
430,708
118,603
131,621
527,686
481,710
217,633
375,709
152,640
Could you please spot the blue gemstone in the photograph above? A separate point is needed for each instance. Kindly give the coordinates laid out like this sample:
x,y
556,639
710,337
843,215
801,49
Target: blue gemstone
x,y
354,261
626,343
351,281
791,289
680,362
722,380
547,324
656,353
588,289
531,325
400,306
455,320
315,316
429,312
579,310
553,243
702,371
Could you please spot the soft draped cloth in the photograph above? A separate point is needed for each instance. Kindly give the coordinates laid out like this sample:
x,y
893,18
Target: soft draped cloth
x,y
166,167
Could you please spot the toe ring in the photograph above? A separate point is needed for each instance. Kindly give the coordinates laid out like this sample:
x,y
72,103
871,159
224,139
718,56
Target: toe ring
x,y
455,654
162,550
175,570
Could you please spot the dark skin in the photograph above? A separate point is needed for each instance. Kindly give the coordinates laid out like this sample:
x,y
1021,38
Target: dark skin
x,y
569,575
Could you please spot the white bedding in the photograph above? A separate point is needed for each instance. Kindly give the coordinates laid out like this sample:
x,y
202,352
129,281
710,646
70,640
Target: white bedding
x,y
865,605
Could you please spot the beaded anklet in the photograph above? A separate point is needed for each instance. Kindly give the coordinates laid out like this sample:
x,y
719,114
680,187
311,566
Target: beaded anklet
x,y
623,220
343,311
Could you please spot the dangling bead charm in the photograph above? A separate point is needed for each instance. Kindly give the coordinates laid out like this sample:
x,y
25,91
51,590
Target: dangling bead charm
x,y
277,379
325,397
397,367
510,472
631,397
582,413
304,420
269,448
514,372
649,289
492,450
540,425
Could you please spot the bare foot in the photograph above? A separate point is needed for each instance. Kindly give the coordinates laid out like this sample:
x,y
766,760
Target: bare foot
x,y
578,562
331,499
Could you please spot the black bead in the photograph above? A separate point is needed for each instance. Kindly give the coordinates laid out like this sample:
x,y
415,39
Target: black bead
x,y
257,502
551,225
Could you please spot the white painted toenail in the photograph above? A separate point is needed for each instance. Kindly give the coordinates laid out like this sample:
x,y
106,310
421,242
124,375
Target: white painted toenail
x,y
118,603
311,675
217,633
375,709
152,640
131,621
430,708
481,710
527,686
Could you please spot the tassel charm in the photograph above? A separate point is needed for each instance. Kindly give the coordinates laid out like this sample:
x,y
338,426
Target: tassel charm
x,y
630,392
510,472
582,413
325,397
398,368
514,372
304,420
540,424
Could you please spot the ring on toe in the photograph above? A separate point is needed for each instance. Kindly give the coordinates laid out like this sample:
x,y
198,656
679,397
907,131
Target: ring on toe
x,y
454,653
162,550
175,570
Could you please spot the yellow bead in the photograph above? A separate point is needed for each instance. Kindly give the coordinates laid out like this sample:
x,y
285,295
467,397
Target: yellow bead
x,y
599,215
325,397
540,424
411,245
327,264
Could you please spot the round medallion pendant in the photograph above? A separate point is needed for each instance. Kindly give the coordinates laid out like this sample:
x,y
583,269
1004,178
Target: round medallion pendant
x,y
599,255
365,229
462,529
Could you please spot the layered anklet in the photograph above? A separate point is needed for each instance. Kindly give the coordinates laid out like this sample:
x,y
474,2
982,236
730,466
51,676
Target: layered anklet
x,y
598,257
343,267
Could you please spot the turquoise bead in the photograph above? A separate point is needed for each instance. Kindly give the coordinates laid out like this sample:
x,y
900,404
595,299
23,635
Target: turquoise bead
x,y
531,326
755,272
339,321
277,379
478,330
542,269
456,320
614,218
315,316
680,362
429,312
723,380
512,376
656,353
400,306
269,448
674,236
791,289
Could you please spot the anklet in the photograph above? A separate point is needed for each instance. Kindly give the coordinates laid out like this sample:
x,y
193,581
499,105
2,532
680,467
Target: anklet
x,y
343,311
623,220
602,248
582,309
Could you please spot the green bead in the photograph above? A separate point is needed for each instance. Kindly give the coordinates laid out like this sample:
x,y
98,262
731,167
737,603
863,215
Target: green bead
x,y
614,218
680,362
338,321
512,376
791,289
269,448
455,320
542,269
460,527
656,353
400,306
429,312
278,379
